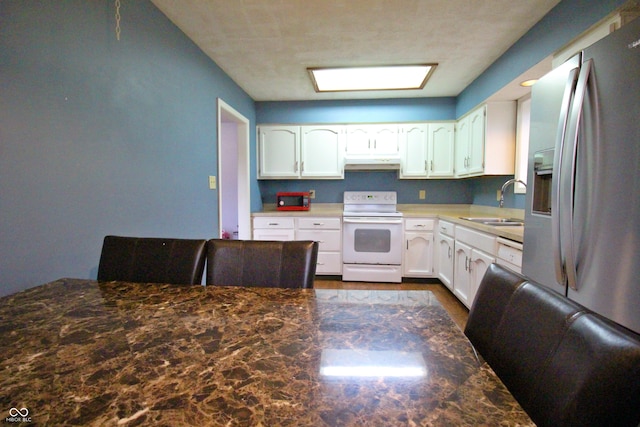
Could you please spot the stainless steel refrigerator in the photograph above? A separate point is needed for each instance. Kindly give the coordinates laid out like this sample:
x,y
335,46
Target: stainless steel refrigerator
x,y
582,216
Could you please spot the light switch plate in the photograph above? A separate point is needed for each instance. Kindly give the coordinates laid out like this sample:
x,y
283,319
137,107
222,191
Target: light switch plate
x,y
212,182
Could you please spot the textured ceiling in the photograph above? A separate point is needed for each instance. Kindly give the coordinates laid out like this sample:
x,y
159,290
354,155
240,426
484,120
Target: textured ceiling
x,y
265,46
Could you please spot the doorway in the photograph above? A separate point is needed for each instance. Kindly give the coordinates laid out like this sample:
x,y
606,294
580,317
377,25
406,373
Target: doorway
x,y
234,207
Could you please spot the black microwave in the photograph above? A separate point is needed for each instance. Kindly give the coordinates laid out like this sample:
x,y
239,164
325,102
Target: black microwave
x,y
292,201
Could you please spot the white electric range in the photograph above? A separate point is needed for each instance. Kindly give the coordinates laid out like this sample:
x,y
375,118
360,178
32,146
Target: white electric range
x,y
371,237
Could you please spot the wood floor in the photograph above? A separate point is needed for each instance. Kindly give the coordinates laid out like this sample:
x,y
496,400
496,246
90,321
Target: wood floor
x,y
454,307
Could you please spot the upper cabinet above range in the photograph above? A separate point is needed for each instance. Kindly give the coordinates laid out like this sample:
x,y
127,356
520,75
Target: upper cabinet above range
x,y
372,140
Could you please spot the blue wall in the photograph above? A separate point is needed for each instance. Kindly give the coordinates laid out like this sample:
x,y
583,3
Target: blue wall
x,y
331,191
357,111
563,23
99,136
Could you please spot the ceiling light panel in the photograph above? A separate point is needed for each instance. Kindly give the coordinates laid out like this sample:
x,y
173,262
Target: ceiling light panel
x,y
396,77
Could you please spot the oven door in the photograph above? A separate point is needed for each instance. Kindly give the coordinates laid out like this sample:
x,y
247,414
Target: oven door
x,y
372,240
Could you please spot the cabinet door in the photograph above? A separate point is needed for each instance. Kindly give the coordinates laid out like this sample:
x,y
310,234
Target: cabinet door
x,y
322,152
445,260
475,165
462,147
278,152
478,265
418,254
385,140
367,140
413,150
358,140
461,283
441,150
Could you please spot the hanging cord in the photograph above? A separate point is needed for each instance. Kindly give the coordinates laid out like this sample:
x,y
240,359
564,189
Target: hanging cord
x,y
118,20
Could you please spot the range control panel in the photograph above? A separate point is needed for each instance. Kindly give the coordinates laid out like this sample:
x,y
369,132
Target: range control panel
x,y
370,197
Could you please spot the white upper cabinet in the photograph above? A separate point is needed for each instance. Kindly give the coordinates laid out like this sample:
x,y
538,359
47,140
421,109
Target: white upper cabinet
x,y
322,151
372,140
413,150
441,150
278,152
427,150
485,140
292,152
481,143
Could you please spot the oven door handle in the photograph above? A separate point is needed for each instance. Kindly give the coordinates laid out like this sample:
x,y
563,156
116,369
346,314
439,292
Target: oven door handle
x,y
372,221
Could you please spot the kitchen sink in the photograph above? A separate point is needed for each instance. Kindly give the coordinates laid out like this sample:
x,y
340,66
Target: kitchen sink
x,y
496,222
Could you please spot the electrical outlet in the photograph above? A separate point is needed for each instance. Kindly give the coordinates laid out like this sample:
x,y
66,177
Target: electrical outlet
x,y
498,195
212,182
312,194
422,194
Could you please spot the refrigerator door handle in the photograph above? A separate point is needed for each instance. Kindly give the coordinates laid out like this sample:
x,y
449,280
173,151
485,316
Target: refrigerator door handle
x,y
556,193
573,133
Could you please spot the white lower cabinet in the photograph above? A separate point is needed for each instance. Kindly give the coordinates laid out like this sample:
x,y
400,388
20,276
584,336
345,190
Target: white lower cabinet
x,y
418,250
474,252
461,279
445,250
327,231
273,228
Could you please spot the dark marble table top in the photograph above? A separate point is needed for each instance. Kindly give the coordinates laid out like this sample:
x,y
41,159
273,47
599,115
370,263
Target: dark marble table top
x,y
80,352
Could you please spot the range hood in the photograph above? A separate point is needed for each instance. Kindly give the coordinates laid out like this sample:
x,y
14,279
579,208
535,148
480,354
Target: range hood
x,y
372,163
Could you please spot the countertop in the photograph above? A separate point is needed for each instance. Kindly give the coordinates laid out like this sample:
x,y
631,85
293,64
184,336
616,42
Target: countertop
x,y
451,213
81,352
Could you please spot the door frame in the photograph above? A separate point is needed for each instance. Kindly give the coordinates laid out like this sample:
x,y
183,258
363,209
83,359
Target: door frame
x,y
227,114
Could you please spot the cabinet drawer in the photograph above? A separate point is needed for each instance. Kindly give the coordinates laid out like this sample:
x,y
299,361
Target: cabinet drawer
x,y
329,240
484,242
329,263
319,223
419,224
446,228
510,251
273,234
273,222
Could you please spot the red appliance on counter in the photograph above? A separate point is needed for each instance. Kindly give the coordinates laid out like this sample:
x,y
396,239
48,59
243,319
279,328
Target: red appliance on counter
x,y
293,201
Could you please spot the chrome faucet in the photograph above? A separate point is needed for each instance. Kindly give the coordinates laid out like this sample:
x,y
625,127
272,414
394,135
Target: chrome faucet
x,y
505,185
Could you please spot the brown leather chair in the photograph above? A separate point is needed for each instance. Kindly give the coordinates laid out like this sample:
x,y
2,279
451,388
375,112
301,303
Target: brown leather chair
x,y
273,264
152,260
566,365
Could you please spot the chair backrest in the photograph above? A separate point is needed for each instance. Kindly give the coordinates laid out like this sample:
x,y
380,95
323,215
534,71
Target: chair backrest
x,y
152,260
566,365
274,264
